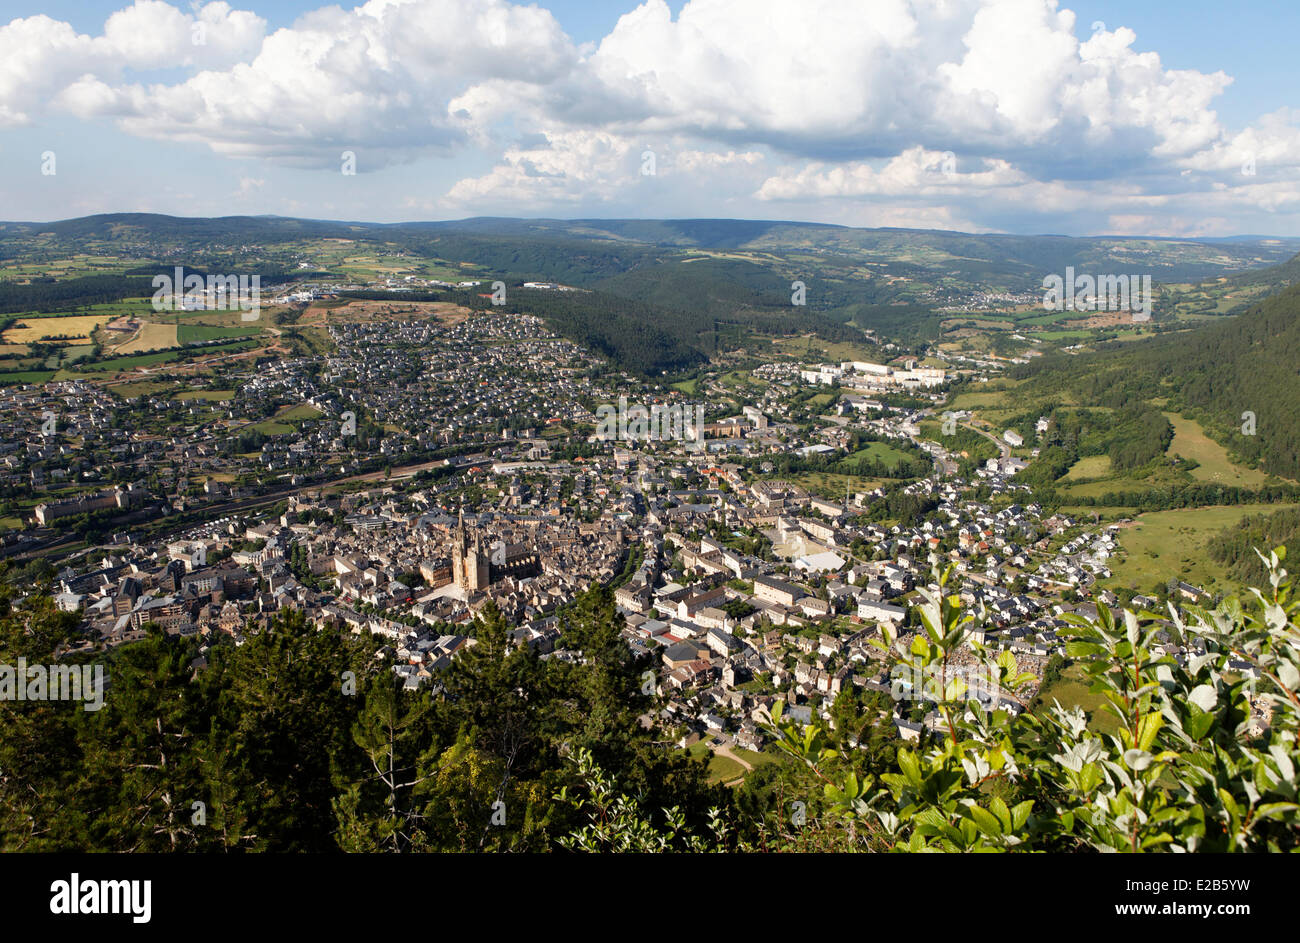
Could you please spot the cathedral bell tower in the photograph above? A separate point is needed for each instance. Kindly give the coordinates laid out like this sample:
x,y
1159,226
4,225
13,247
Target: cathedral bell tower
x,y
469,564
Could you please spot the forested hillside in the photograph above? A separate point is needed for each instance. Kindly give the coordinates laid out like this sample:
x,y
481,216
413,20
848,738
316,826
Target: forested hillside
x,y
1235,547
1221,375
60,295
1275,276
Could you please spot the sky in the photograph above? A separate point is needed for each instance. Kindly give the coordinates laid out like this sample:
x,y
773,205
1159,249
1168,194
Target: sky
x,y
1024,116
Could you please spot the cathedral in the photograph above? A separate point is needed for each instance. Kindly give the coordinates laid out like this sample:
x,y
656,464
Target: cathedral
x,y
469,562
474,569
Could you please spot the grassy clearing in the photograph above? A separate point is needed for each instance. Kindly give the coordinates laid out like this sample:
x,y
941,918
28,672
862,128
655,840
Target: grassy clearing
x,y
284,422
141,388
129,363
1092,466
1097,489
721,768
740,378
1190,441
1164,545
271,427
754,759
983,399
1103,514
809,347
73,353
1064,335
879,452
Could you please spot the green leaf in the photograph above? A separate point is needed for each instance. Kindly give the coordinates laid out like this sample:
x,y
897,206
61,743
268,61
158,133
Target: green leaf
x,y
1198,722
985,821
1020,814
999,808
1150,726
910,767
1078,649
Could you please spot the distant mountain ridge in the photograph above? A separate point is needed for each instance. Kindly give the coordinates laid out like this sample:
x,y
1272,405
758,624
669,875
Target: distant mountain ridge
x,y
1036,250
661,294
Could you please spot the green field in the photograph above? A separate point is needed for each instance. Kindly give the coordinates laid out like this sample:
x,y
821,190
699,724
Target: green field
x,y
284,422
140,388
1190,441
808,347
982,399
271,427
721,768
128,363
1063,335
880,452
752,758
1103,514
1092,466
1051,317
1161,476
1165,545
740,378
109,310
1099,489
26,376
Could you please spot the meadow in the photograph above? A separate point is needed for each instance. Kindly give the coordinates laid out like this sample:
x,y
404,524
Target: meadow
x,y
1164,545
1190,441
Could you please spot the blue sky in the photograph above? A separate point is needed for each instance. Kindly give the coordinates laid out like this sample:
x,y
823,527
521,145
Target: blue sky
x,y
981,115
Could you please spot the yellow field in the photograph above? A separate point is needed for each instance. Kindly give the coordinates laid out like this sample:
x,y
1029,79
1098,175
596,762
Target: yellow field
x,y
1093,466
1190,441
77,327
808,347
219,396
150,336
